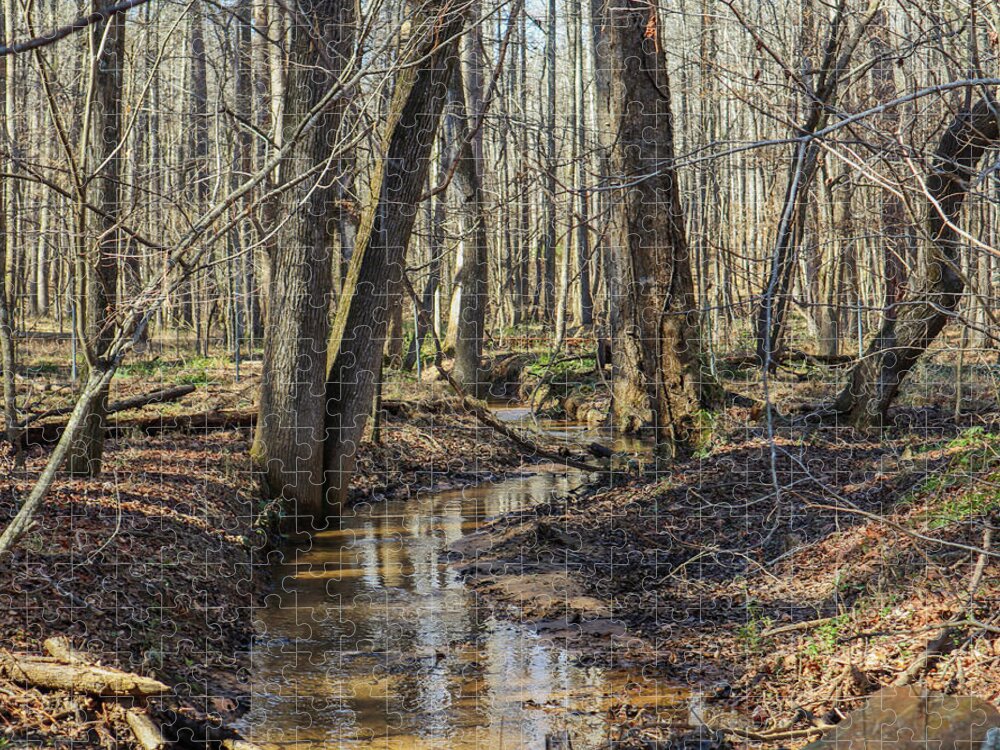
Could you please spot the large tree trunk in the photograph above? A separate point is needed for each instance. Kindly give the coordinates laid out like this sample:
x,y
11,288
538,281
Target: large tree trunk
x,y
374,279
909,329
97,262
657,347
290,423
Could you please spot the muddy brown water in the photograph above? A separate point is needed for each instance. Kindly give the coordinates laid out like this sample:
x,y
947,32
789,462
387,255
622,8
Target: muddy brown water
x,y
371,640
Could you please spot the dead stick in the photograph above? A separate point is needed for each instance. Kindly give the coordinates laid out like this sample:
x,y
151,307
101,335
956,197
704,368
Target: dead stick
x,y
806,625
147,734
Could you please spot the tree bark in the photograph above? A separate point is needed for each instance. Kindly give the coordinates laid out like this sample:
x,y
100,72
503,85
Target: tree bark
x,y
374,280
290,426
98,270
547,251
657,347
8,360
471,280
906,334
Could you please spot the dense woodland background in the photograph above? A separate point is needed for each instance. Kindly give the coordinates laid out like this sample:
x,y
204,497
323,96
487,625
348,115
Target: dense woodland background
x,y
321,183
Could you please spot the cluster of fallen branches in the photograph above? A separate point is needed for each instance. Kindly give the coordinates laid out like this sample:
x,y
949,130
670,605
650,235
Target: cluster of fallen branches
x,y
131,697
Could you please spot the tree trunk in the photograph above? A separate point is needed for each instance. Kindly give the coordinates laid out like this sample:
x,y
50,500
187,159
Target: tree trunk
x,y
906,334
374,279
836,55
657,343
435,216
547,251
584,298
7,356
472,277
894,229
290,424
98,271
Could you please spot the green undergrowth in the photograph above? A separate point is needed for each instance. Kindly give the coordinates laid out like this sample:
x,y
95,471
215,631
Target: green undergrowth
x,y
967,487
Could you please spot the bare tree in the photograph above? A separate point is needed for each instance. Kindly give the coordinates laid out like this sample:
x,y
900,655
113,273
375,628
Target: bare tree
x,y
99,247
290,410
910,328
657,340
376,269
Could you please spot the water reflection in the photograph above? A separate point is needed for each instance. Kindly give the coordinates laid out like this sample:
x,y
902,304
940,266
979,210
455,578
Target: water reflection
x,y
372,640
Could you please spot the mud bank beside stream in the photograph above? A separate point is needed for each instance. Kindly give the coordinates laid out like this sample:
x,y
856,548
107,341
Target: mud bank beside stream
x,y
782,602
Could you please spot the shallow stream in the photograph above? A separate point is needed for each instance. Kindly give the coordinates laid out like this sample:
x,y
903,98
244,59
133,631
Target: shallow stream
x,y
371,640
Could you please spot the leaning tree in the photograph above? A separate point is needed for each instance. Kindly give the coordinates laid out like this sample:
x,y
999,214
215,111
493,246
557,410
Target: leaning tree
x,y
913,325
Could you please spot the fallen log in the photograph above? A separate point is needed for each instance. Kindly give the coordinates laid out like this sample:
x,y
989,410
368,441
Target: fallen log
x,y
162,396
209,421
206,421
54,674
147,734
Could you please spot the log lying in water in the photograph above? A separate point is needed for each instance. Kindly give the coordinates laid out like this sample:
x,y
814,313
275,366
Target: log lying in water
x,y
55,674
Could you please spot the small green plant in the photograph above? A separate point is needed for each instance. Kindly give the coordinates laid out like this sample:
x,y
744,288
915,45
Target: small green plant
x,y
751,633
142,368
705,422
963,507
826,636
42,367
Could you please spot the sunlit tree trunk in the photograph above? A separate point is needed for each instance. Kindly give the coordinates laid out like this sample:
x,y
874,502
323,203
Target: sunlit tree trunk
x,y
471,280
374,279
7,358
657,344
97,262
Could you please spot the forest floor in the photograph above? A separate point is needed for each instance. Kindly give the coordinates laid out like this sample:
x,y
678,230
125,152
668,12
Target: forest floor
x,y
155,566
786,579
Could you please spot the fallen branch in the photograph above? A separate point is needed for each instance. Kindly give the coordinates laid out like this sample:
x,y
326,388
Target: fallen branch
x,y
54,674
791,734
147,734
909,532
796,626
162,396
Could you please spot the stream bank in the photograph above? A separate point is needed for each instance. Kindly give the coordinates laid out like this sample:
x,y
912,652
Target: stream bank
x,y
787,596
